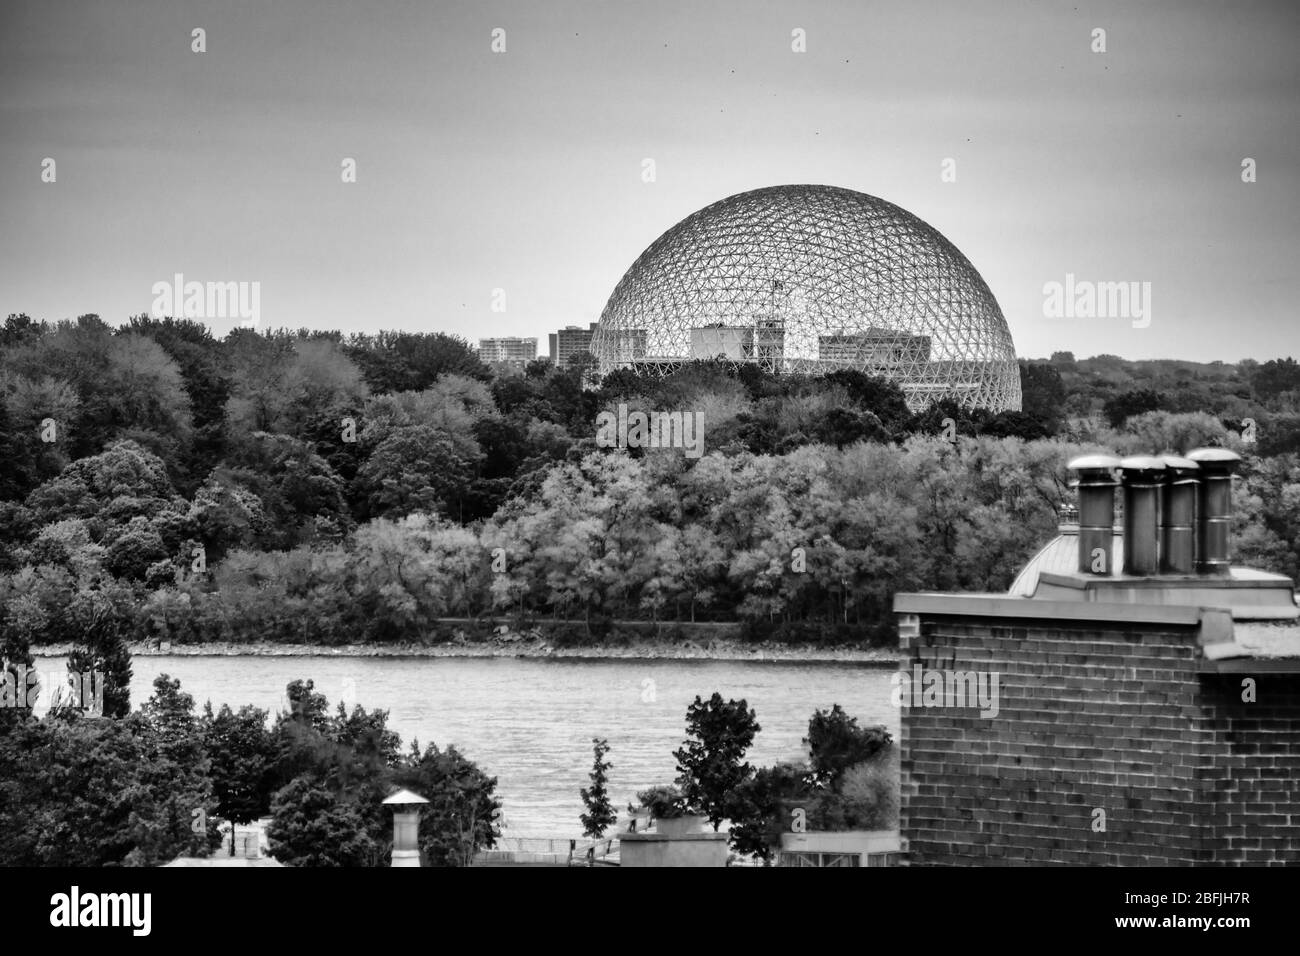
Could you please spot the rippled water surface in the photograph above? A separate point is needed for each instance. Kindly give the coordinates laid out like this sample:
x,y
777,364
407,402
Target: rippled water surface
x,y
529,722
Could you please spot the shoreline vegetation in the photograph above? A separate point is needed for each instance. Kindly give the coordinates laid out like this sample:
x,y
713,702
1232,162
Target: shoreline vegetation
x,y
523,648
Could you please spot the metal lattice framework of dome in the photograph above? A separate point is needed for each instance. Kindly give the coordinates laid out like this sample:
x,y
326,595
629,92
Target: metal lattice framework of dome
x,y
813,279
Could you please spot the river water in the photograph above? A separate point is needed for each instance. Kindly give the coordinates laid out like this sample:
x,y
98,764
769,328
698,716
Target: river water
x,y
529,722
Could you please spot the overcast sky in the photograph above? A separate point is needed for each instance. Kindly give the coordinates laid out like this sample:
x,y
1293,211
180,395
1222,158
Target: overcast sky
x,y
522,170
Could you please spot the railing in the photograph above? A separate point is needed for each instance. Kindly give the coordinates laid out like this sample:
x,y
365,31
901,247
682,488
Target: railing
x,y
561,852
591,852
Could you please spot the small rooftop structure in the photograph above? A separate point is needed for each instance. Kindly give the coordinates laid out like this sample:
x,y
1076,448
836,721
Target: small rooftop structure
x,y
1172,548
406,827
1140,702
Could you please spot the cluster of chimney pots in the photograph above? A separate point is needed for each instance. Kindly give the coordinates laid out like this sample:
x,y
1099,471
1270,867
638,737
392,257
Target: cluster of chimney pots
x,y
1177,512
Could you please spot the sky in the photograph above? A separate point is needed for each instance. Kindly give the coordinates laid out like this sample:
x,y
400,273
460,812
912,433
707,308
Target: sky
x,y
524,170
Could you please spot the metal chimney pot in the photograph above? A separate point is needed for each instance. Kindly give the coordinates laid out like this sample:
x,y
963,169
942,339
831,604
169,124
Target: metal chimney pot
x,y
1142,477
1096,483
1178,516
1215,507
406,827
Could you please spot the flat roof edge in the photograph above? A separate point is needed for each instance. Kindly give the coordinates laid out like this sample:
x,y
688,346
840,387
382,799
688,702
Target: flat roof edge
x,y
1000,605
1251,665
1264,581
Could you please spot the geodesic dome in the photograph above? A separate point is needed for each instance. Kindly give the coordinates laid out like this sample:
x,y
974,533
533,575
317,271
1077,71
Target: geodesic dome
x,y
814,279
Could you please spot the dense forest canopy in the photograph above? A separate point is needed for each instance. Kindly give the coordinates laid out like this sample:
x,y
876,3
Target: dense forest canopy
x,y
162,484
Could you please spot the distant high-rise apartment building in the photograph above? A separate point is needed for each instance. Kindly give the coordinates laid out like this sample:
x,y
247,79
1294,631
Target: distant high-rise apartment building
x,y
510,349
569,341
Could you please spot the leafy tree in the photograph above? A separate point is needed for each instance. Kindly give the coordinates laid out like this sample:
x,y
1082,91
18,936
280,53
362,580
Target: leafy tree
x,y
122,482
224,515
18,467
966,421
1042,394
1275,377
135,549
414,469
836,743
711,762
206,378
126,386
410,361
760,808
297,488
600,812
170,711
366,732
306,706
242,752
313,825
1017,425
333,783
868,794
280,382
842,426
1136,402
19,329
81,792
880,396
29,402
1158,432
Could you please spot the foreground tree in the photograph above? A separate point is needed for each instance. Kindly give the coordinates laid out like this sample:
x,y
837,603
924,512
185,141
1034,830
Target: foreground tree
x,y
242,752
711,762
761,808
600,812
836,743
86,792
313,825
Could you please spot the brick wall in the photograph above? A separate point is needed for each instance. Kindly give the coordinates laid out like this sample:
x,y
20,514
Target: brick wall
x,y
1095,716
1253,782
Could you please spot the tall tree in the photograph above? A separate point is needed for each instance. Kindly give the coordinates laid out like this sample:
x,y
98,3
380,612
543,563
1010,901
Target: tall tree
x,y
711,762
242,751
600,812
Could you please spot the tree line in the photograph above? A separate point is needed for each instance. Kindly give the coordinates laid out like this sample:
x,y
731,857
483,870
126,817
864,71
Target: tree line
x,y
309,487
